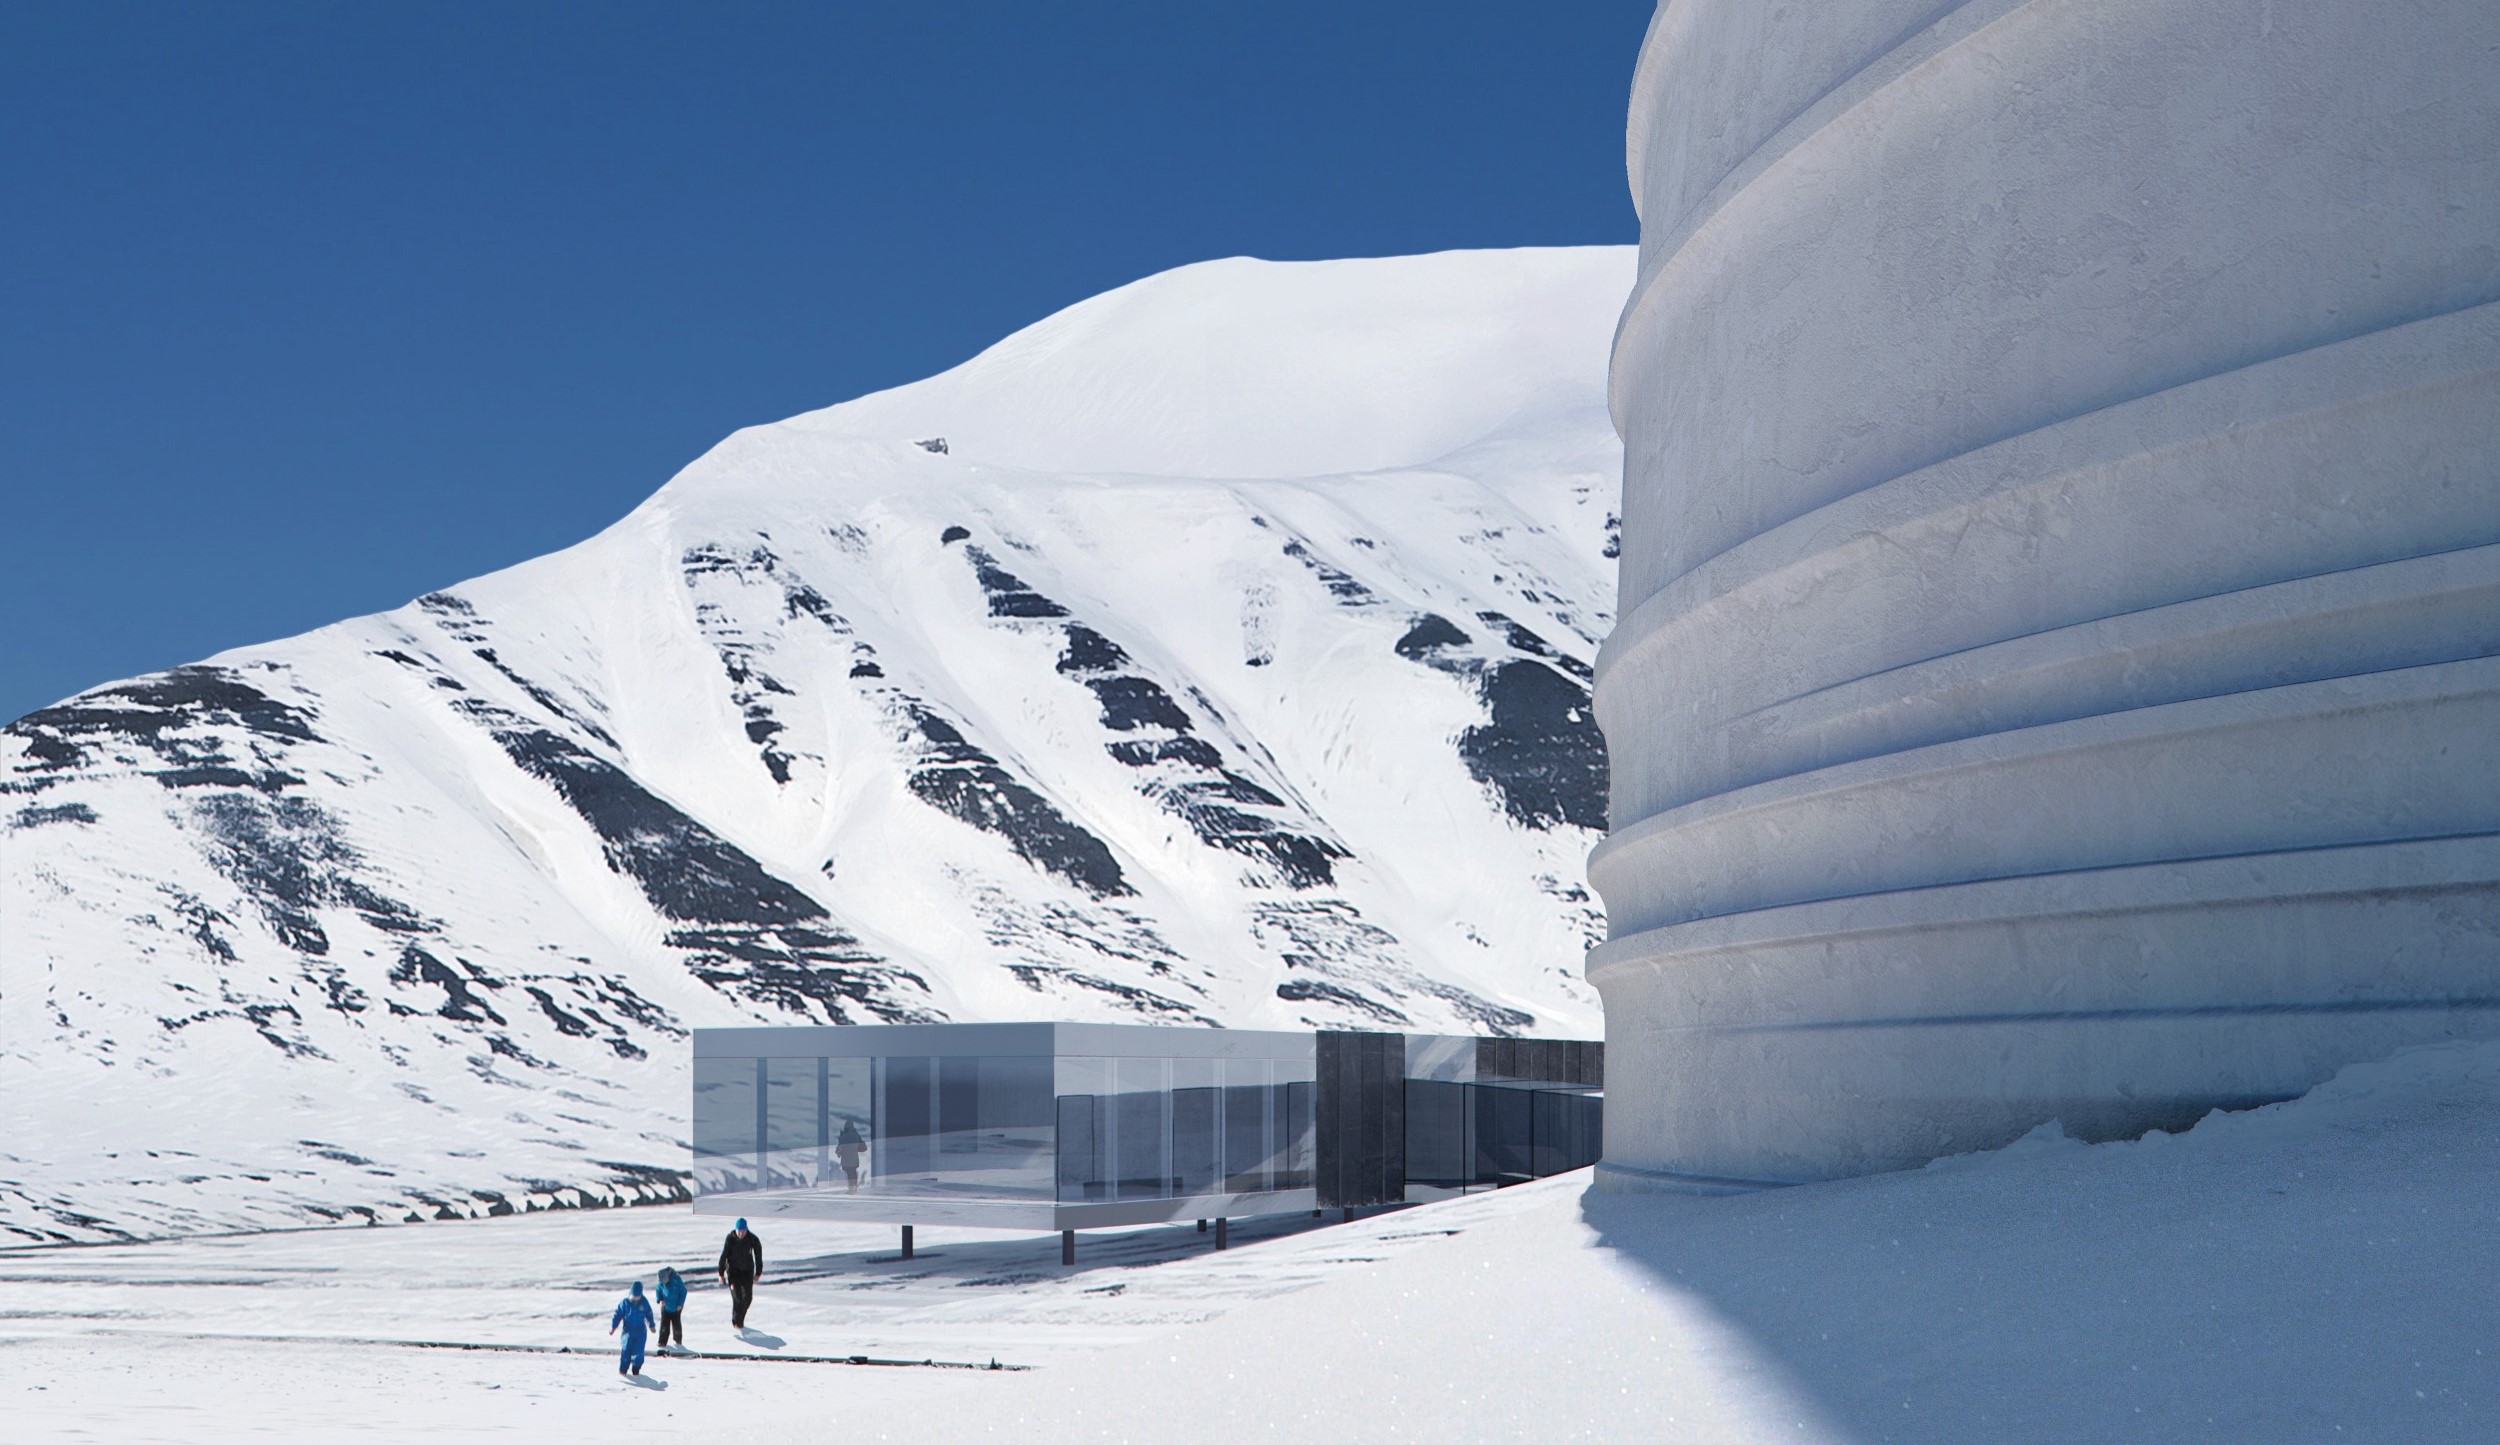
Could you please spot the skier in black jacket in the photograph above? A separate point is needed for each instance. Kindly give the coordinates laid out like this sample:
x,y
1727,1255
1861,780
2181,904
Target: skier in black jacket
x,y
741,1262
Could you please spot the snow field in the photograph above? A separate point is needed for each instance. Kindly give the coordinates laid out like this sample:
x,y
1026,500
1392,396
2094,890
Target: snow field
x,y
2319,1270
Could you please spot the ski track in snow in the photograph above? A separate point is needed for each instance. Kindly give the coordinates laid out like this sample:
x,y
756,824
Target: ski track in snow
x,y
1244,685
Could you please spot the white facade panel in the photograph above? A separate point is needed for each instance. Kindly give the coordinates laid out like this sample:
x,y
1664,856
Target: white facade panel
x,y
2058,672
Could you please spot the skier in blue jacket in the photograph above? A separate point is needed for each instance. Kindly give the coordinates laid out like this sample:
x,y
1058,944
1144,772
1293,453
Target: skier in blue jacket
x,y
633,1314
672,1293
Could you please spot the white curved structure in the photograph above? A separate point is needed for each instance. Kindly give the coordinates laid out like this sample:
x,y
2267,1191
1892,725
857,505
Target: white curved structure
x,y
2059,663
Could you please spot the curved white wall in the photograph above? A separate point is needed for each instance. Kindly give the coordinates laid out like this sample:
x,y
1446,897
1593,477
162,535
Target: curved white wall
x,y
2059,666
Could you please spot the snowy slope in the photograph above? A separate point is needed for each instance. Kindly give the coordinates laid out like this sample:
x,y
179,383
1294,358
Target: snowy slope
x,y
1227,663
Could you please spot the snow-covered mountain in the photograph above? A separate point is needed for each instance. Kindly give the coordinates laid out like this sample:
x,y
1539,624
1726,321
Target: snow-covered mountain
x,y
1215,651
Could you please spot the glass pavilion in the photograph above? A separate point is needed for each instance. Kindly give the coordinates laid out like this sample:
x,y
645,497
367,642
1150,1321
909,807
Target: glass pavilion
x,y
1055,1126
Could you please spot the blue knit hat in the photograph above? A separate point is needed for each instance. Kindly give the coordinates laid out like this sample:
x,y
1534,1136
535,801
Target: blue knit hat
x,y
742,1223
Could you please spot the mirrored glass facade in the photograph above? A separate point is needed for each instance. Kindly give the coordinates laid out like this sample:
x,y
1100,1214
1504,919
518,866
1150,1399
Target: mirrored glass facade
x,y
1002,1123
1062,1126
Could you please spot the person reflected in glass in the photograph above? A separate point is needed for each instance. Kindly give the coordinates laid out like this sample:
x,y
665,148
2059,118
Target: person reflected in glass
x,y
848,1148
741,1265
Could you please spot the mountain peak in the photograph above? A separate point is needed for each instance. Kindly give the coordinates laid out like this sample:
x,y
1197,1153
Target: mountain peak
x,y
1247,368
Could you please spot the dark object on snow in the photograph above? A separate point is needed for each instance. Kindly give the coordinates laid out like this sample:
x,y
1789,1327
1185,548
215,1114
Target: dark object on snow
x,y
633,1315
741,1260
672,1296
932,444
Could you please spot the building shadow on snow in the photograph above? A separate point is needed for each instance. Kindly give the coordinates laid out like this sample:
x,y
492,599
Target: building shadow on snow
x,y
2092,1295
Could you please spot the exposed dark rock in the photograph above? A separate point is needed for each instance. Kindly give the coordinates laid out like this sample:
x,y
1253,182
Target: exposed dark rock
x,y
1540,749
1340,584
1431,634
1147,1002
823,975
1130,702
291,858
1307,990
1522,639
1186,773
687,871
747,932
1089,651
459,620
460,1001
170,715
1008,594
750,687
957,778
1541,752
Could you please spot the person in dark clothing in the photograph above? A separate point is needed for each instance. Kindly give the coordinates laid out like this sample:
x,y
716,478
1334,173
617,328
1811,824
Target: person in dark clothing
x,y
633,1315
741,1263
672,1293
848,1148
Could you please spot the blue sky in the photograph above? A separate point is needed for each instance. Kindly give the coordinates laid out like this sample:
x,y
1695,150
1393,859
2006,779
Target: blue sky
x,y
308,308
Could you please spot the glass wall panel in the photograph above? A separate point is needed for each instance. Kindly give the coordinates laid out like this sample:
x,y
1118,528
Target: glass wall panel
x,y
906,1118
960,1127
1085,1142
1246,1146
1567,1128
1082,1174
1030,1127
1141,1129
1505,1127
794,1134
1446,1058
850,1119
1197,1152
995,1122
725,1143
1299,1142
959,1106
1439,1150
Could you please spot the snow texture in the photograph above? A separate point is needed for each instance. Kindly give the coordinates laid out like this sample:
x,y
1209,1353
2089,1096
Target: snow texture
x,y
1078,682
2059,666
2318,1270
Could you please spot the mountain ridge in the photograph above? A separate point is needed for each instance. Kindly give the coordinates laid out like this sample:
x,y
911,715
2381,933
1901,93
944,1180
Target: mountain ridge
x,y
844,728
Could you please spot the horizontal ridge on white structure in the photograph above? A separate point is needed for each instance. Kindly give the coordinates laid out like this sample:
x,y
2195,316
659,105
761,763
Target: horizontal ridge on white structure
x,y
2062,456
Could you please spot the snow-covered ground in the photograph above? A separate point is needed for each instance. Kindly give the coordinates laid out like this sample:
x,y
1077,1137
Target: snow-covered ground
x,y
2319,1270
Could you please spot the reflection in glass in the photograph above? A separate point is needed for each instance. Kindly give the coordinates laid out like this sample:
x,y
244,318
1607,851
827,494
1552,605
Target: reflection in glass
x,y
1002,1127
1245,1126
724,1125
1140,1131
792,1137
